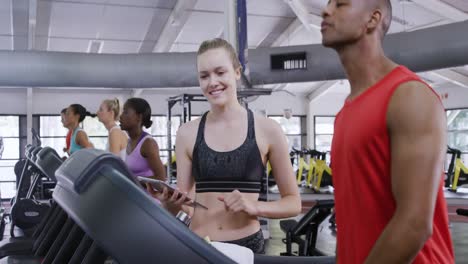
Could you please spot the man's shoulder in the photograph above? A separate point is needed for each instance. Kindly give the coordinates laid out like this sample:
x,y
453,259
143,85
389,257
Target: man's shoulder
x,y
413,104
415,89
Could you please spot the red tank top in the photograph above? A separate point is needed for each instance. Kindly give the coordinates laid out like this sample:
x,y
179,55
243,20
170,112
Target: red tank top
x,y
68,139
361,177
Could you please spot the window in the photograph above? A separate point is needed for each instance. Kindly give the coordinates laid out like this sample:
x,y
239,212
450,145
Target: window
x,y
194,117
53,133
9,131
159,132
457,133
323,132
96,131
292,129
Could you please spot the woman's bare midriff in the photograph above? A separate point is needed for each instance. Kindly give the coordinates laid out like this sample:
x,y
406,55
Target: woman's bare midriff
x,y
219,224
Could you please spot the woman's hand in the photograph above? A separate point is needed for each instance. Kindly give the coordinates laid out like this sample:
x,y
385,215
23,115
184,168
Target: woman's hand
x,y
236,203
173,203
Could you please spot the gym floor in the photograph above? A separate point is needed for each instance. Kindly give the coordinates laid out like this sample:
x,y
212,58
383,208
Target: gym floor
x,y
326,240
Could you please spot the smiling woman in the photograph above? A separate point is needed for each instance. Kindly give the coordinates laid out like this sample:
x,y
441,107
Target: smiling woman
x,y
221,158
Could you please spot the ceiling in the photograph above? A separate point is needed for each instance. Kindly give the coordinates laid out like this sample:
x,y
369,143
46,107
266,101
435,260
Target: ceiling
x,y
142,26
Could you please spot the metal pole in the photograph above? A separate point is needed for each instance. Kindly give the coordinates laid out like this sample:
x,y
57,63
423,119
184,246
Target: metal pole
x,y
169,142
189,109
29,113
230,28
184,106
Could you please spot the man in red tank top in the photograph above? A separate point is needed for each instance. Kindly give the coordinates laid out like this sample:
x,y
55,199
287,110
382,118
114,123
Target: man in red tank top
x,y
388,147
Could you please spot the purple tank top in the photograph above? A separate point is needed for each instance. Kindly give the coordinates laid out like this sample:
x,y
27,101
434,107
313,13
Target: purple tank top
x,y
138,164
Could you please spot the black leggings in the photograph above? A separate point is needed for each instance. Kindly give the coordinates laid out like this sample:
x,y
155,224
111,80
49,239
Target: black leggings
x,y
255,242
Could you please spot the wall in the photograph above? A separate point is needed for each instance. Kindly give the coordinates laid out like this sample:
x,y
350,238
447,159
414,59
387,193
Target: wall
x,y
51,101
12,101
457,97
326,104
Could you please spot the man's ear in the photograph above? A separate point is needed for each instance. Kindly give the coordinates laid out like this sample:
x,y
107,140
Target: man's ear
x,y
374,20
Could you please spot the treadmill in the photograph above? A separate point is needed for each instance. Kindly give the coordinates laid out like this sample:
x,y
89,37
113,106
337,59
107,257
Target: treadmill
x,y
102,197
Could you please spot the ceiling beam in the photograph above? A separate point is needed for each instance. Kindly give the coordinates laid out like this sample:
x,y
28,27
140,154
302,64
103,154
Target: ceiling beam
x,y
44,11
20,24
32,14
451,117
321,90
136,92
442,9
310,21
174,25
451,13
291,30
154,30
281,87
452,76
161,39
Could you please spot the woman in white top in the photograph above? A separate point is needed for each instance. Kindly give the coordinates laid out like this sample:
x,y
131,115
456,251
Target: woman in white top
x,y
108,114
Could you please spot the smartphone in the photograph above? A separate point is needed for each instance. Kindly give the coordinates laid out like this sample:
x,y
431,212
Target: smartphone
x,y
160,185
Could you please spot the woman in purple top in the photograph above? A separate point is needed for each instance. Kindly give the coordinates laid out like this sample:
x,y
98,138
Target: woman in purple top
x,y
142,150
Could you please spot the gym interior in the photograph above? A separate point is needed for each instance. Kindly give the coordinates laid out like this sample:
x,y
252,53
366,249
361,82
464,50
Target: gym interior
x,y
86,209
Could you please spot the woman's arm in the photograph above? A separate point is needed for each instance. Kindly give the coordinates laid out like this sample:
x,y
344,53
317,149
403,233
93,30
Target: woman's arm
x,y
82,140
184,148
185,183
290,203
150,151
114,141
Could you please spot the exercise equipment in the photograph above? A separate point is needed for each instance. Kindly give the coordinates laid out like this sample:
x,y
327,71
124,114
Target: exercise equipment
x,y
316,175
302,165
27,212
463,212
322,174
19,169
304,232
99,195
26,245
26,175
173,168
450,171
457,173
